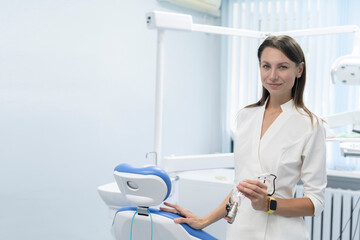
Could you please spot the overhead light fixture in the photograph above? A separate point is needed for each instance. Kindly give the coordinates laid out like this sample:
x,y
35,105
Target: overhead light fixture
x,y
346,69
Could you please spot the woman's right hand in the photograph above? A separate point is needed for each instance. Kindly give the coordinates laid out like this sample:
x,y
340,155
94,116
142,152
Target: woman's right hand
x,y
186,216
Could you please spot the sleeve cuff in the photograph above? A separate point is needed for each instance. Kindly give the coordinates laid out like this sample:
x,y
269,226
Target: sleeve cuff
x,y
318,205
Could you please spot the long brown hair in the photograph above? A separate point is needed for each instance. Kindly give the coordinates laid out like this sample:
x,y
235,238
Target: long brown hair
x,y
292,50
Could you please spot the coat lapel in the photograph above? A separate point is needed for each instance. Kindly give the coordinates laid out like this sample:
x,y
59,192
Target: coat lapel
x,y
268,161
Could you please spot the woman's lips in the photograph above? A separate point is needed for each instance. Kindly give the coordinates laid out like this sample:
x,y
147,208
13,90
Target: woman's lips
x,y
274,85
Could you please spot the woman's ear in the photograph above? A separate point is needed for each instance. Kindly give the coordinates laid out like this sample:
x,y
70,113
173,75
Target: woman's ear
x,y
300,69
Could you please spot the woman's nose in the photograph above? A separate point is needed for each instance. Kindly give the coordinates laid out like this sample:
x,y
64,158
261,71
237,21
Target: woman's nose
x,y
273,75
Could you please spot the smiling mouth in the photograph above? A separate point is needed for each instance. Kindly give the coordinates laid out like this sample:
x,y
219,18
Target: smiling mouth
x,y
273,85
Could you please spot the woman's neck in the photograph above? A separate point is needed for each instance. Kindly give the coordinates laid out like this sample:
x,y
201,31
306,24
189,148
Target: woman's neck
x,y
275,103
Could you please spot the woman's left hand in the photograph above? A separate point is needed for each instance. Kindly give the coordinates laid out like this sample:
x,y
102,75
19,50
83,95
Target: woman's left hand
x,y
256,191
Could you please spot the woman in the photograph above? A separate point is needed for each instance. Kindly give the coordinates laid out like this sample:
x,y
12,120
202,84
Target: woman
x,y
277,135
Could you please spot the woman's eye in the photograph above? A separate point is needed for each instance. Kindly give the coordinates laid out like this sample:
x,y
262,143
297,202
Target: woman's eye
x,y
266,66
283,67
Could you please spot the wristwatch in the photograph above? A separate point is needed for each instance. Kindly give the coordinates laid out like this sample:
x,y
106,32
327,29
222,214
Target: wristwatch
x,y
272,205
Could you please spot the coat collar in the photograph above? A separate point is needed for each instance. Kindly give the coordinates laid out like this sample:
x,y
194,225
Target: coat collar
x,y
284,107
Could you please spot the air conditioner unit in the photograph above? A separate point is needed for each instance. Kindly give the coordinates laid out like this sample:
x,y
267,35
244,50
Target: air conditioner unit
x,y
208,6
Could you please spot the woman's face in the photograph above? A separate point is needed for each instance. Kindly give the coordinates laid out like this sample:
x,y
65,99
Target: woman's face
x,y
278,73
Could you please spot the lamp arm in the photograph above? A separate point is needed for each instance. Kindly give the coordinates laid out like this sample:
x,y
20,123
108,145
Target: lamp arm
x,y
344,118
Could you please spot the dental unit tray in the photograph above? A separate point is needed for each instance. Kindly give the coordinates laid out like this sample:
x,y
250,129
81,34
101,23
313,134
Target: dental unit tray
x,y
350,149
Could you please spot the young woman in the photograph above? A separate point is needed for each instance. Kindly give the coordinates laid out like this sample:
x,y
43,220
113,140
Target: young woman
x,y
276,135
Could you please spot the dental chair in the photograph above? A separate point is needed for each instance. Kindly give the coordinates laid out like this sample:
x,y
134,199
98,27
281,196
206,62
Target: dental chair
x,y
146,187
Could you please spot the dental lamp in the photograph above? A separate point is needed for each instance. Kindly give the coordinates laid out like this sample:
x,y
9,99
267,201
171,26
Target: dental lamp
x,y
346,70
345,118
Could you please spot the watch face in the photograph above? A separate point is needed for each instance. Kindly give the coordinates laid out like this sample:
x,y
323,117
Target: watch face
x,y
273,204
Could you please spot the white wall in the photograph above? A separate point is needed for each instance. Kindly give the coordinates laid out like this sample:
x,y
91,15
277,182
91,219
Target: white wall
x,y
77,82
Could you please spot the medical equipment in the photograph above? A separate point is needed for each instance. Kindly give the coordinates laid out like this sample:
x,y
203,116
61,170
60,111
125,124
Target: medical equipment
x,y
170,21
207,6
345,118
236,196
164,21
346,69
145,187
196,162
112,197
350,149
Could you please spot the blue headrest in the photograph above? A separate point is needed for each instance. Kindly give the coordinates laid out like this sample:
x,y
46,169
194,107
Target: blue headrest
x,y
150,170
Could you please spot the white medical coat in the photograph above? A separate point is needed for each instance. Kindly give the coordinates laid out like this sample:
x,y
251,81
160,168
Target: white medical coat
x,y
292,149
